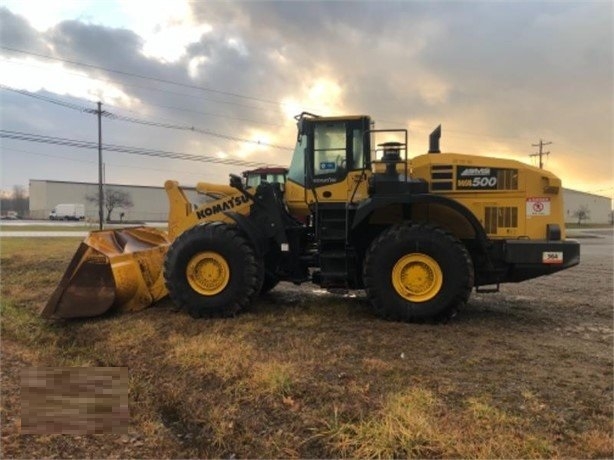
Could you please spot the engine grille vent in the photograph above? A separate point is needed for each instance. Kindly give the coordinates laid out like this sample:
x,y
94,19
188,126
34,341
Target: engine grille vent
x,y
441,177
507,179
495,217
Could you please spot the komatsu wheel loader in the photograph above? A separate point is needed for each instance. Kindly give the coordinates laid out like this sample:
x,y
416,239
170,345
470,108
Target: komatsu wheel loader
x,y
353,213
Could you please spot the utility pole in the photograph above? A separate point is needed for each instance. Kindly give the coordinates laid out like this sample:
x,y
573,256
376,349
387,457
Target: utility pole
x,y
100,192
99,112
541,152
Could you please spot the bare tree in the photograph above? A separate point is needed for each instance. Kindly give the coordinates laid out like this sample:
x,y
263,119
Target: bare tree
x,y
18,201
582,213
112,199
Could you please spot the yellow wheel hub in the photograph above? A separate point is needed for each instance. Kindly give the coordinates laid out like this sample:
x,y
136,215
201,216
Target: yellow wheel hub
x,y
417,277
208,273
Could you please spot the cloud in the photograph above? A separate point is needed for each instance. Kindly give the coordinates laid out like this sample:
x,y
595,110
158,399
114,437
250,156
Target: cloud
x,y
497,75
165,27
16,32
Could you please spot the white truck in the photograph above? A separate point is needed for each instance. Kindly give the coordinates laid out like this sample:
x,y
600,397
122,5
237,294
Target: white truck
x,y
68,211
10,215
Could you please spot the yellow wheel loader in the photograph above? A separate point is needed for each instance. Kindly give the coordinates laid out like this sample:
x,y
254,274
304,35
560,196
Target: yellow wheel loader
x,y
351,213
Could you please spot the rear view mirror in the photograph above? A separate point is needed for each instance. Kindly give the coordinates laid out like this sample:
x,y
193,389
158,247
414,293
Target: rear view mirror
x,y
236,182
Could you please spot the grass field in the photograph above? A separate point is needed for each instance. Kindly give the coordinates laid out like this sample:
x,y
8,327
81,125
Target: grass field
x,y
307,373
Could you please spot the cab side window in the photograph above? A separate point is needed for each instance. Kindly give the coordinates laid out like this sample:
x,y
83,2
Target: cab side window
x,y
358,149
329,148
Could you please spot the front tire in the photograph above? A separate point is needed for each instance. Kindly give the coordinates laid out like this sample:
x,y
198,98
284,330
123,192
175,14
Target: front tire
x,y
416,272
269,283
212,270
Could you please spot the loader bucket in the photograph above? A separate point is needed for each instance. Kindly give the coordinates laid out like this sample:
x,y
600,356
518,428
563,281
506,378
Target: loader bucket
x,y
120,268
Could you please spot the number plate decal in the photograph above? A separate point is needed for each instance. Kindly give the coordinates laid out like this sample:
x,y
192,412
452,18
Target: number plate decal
x,y
552,257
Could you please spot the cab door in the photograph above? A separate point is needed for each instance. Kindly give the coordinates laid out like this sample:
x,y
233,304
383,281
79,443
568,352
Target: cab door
x,y
337,159
328,163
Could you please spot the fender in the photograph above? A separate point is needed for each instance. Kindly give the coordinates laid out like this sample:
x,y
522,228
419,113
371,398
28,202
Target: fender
x,y
368,206
253,233
265,221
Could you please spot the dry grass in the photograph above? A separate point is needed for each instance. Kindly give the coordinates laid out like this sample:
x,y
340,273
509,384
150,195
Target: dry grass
x,y
417,424
312,374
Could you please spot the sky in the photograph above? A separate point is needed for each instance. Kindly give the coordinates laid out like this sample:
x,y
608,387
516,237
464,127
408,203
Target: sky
x,y
223,80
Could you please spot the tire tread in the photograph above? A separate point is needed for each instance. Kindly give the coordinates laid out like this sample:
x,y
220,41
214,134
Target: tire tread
x,y
215,231
374,289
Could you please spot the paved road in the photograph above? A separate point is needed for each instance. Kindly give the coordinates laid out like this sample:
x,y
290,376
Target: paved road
x,y
596,244
62,224
43,234
61,229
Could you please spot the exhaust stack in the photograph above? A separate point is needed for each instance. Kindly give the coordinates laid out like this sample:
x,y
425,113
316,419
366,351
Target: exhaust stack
x,y
434,140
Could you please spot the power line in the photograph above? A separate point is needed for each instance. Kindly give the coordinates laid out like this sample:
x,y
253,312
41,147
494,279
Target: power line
x,y
160,80
45,98
143,121
192,129
281,104
29,137
131,74
226,93
47,155
107,163
175,93
206,114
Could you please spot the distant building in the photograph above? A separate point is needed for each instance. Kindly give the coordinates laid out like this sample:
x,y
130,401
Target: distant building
x,y
149,203
599,207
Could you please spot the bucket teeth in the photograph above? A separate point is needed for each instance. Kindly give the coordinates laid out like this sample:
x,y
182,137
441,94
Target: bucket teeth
x,y
120,268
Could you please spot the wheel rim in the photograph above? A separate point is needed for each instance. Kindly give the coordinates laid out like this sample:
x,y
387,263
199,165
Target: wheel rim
x,y
417,277
208,273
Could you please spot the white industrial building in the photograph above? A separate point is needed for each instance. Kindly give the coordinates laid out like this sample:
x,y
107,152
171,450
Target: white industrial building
x,y
151,203
599,207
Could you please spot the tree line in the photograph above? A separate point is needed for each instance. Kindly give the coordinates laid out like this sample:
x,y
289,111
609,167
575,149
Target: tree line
x,y
18,201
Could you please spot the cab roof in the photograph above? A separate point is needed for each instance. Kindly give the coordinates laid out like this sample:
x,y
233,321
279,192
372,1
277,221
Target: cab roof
x,y
339,118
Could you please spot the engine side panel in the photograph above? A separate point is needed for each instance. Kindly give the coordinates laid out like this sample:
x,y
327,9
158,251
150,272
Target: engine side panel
x,y
510,199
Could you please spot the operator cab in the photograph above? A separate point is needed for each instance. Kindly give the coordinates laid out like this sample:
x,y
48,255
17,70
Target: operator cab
x,y
328,148
331,150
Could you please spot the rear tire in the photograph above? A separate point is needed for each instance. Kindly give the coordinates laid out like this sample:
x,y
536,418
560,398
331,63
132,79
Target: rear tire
x,y
418,271
212,270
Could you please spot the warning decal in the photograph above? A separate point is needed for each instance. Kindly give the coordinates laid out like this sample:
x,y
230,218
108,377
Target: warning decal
x,y
538,206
